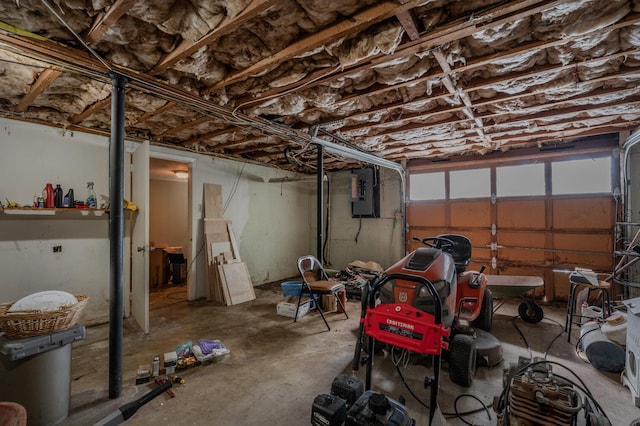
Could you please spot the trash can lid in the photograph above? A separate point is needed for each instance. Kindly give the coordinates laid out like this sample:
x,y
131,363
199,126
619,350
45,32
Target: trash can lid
x,y
14,349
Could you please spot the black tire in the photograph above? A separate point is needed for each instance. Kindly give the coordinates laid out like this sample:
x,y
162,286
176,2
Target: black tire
x,y
533,315
485,317
462,360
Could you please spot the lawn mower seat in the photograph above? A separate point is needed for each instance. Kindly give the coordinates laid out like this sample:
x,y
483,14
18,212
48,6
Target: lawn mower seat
x,y
460,251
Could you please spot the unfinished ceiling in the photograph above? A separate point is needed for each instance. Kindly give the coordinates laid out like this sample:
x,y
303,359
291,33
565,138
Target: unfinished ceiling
x,y
256,80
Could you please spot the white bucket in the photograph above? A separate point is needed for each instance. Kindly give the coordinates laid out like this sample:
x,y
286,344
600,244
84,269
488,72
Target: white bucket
x,y
590,312
615,328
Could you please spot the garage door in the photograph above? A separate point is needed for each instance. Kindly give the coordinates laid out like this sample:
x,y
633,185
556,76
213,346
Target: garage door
x,y
540,214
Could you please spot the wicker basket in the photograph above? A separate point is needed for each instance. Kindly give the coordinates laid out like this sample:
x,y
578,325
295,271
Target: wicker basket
x,y
21,324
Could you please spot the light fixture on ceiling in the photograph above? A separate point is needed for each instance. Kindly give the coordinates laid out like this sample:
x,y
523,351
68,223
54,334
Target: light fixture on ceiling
x,y
182,174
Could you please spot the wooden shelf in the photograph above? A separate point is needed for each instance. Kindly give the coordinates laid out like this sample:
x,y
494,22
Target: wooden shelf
x,y
55,213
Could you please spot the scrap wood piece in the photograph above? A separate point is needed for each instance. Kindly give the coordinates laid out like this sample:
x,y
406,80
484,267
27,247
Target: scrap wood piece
x,y
234,244
214,290
238,280
212,201
228,257
215,226
217,249
224,287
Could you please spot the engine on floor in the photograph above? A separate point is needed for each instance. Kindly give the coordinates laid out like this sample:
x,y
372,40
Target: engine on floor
x,y
350,405
533,395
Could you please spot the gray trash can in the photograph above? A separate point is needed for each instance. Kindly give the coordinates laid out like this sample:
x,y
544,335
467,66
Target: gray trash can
x,y
36,373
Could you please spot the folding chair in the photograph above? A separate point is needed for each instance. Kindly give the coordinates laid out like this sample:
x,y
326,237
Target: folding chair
x,y
316,282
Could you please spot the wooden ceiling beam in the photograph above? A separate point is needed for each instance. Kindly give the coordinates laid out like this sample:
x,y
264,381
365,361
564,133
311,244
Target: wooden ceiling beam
x,y
226,26
451,86
354,24
409,22
207,136
147,115
256,148
107,19
43,81
91,109
184,126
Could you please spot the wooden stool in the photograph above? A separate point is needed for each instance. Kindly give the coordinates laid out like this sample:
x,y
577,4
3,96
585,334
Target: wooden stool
x,y
603,286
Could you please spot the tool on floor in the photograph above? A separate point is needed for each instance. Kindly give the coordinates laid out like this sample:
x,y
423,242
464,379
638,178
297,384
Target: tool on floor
x,y
128,410
179,380
161,381
534,394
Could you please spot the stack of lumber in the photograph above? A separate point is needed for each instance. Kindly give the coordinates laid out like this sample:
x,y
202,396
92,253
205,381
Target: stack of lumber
x,y
228,279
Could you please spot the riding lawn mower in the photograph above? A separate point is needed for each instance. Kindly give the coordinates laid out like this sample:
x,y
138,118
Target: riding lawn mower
x,y
426,303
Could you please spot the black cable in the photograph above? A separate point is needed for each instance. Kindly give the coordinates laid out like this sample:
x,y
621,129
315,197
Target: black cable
x,y
468,395
456,414
409,388
359,228
194,259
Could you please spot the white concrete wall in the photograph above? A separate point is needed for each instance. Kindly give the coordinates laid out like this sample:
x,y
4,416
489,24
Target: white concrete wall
x,y
30,157
270,221
380,239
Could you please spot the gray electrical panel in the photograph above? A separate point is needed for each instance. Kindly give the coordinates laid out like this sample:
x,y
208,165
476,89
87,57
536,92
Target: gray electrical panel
x,y
365,192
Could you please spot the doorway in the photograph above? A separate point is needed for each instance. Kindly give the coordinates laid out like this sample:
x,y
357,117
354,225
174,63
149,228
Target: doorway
x,y
169,232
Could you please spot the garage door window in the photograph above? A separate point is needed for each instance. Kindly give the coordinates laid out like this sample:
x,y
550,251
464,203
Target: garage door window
x,y
426,186
520,180
475,183
589,176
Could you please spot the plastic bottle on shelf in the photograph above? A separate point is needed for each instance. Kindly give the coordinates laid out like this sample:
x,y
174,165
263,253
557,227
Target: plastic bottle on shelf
x,y
92,202
57,196
47,194
68,200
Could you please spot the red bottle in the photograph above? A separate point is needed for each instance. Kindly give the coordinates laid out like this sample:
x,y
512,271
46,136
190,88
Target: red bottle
x,y
47,193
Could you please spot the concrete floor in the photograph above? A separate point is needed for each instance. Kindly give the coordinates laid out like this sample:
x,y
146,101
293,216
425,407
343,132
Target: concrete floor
x,y
277,367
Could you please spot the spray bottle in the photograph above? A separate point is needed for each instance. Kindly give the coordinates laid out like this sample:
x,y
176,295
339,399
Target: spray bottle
x,y
92,202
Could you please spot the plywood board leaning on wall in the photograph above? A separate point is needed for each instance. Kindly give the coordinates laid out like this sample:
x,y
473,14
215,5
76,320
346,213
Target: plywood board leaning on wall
x,y
212,201
228,279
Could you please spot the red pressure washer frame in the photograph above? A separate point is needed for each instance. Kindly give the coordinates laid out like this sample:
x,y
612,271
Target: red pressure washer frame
x,y
406,327
403,326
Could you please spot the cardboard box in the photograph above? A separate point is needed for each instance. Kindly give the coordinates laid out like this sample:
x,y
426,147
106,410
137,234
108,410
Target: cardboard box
x,y
287,308
329,303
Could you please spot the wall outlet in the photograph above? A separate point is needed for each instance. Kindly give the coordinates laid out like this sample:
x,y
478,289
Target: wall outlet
x,y
57,249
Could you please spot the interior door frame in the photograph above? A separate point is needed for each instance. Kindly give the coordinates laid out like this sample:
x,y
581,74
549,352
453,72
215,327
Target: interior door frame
x,y
139,297
160,154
